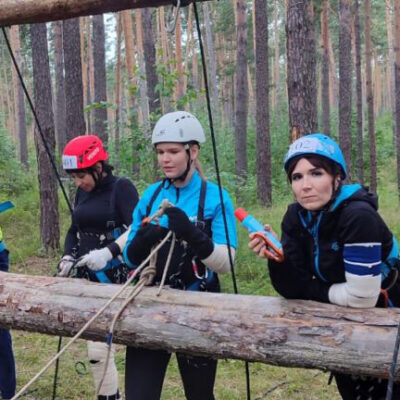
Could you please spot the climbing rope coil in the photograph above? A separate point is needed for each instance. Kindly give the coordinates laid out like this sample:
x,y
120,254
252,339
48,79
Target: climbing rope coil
x,y
147,270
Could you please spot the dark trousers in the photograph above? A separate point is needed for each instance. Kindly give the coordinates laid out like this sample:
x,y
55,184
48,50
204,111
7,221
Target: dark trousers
x,y
145,371
7,363
357,388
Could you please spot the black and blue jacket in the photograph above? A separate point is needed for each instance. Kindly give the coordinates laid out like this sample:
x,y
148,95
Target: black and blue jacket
x,y
321,248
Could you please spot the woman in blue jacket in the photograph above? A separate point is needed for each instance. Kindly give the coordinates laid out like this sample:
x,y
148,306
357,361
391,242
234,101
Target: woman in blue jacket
x,y
337,247
199,255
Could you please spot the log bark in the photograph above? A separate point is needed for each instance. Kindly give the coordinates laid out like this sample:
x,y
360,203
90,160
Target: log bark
x,y
254,328
32,11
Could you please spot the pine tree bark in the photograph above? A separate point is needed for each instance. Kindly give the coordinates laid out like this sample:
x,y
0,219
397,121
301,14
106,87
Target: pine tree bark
x,y
49,217
100,87
19,99
211,57
178,59
60,116
391,64
270,330
325,80
301,78
277,84
117,89
345,69
370,97
262,104
144,102
241,103
150,61
73,79
359,96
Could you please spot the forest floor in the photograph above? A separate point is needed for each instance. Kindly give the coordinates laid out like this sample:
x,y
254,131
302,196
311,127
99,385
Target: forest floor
x,y
33,351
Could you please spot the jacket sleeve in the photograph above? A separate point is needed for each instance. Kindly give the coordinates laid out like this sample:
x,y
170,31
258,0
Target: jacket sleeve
x,y
127,199
71,238
293,279
361,235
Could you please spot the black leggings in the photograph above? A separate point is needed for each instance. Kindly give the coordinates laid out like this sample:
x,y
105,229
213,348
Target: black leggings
x,y
145,371
356,388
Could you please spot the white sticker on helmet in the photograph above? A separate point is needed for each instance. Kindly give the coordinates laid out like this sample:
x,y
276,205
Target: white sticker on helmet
x,y
308,145
70,162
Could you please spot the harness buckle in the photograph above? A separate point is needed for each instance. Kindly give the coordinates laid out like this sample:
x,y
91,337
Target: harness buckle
x,y
196,270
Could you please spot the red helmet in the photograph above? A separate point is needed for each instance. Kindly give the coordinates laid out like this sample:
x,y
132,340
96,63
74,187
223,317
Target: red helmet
x,y
83,152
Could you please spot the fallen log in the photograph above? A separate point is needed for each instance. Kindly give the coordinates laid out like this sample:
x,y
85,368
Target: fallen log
x,y
14,12
253,328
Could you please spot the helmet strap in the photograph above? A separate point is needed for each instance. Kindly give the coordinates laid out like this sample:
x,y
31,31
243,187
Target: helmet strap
x,y
183,176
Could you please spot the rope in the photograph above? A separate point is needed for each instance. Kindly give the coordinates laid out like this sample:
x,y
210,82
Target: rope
x,y
214,146
88,323
146,278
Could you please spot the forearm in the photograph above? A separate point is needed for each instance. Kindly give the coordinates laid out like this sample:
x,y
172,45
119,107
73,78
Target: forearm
x,y
219,260
118,245
294,283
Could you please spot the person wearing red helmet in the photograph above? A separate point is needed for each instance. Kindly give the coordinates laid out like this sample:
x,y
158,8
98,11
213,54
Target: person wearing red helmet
x,y
102,214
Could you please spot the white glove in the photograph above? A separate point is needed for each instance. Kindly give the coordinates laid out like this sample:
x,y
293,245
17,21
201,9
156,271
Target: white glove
x,y
95,259
65,265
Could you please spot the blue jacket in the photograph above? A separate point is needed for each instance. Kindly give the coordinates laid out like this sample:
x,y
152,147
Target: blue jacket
x,y
186,198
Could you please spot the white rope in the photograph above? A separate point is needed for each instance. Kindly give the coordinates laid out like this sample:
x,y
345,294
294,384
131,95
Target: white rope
x,y
86,326
135,291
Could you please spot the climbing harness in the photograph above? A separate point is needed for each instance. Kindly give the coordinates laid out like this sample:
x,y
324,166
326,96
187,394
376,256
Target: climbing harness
x,y
214,146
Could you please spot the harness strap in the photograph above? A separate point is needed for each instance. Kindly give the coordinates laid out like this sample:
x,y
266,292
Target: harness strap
x,y
153,199
202,200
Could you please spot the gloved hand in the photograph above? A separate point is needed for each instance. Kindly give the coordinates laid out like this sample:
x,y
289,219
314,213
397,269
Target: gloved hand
x,y
65,265
198,240
95,259
145,238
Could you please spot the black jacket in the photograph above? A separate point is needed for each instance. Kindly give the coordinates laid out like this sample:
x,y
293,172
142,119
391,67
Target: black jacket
x,y
313,243
109,205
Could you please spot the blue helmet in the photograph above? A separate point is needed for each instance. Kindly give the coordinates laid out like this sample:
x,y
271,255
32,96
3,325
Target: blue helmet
x,y
317,144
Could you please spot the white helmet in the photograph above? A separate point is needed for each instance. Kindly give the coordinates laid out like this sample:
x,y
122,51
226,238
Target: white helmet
x,y
178,127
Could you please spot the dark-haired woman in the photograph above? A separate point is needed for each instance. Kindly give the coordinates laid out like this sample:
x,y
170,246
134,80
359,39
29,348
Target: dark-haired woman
x,y
102,213
337,247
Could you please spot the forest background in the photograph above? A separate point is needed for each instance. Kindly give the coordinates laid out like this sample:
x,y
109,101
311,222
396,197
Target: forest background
x,y
330,66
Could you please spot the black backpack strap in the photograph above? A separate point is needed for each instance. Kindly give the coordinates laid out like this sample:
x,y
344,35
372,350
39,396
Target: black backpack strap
x,y
202,200
153,198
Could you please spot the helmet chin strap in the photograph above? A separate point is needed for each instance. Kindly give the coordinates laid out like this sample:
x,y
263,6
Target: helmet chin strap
x,y
183,176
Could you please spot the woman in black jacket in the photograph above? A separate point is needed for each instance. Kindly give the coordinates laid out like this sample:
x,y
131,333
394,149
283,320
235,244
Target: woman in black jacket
x,y
337,248
102,213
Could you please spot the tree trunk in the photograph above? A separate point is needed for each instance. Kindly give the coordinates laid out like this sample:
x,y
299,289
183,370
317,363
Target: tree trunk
x,y
253,328
370,97
32,11
275,96
19,99
178,59
391,63
49,218
211,58
345,80
301,66
144,101
262,112
326,122
60,117
117,90
73,79
150,61
241,103
360,118
397,85
100,89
